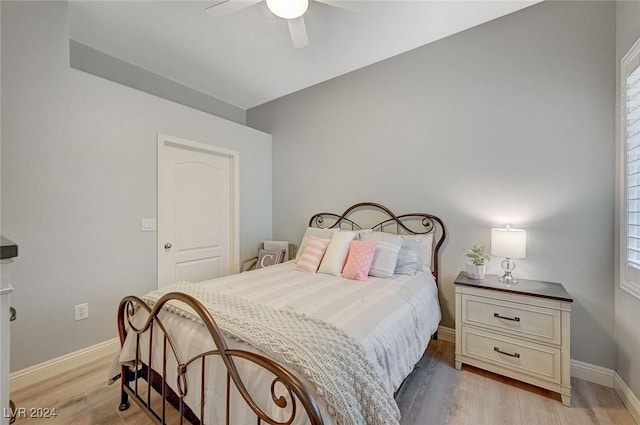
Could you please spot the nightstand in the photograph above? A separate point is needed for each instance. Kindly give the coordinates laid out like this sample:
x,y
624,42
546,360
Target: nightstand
x,y
522,330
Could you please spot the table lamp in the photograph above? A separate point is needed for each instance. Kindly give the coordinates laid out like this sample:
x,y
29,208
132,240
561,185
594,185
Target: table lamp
x,y
508,243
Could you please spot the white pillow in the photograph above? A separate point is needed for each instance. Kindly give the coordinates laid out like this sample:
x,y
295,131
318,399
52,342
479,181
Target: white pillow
x,y
408,257
387,249
318,233
336,253
424,257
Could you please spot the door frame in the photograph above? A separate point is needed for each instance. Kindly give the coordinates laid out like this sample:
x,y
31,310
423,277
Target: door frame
x,y
234,190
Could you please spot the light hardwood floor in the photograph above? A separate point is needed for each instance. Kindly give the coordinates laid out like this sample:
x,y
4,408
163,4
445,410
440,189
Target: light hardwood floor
x,y
435,393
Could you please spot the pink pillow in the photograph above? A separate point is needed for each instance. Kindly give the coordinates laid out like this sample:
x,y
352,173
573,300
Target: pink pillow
x,y
359,260
312,254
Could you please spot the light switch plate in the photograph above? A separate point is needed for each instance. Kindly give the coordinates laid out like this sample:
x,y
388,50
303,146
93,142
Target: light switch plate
x,y
148,225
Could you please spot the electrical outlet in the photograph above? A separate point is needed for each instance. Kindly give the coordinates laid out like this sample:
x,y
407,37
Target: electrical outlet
x,y
147,224
81,311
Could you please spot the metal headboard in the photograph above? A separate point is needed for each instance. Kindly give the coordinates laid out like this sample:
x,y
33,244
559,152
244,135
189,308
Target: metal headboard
x,y
410,224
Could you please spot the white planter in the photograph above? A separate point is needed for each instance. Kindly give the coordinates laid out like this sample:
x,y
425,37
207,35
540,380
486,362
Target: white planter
x,y
475,272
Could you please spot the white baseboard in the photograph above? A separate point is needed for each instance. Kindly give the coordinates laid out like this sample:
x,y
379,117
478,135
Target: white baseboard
x,y
46,370
447,334
592,373
628,397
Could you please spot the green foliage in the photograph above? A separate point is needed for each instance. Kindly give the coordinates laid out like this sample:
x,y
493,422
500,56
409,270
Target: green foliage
x,y
477,255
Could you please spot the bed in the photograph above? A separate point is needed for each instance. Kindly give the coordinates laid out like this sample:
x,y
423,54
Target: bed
x,y
283,345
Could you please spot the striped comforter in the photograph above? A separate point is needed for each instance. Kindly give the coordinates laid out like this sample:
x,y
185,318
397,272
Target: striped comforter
x,y
392,319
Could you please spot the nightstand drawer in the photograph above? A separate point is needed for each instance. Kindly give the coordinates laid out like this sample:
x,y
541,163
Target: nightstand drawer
x,y
524,321
532,359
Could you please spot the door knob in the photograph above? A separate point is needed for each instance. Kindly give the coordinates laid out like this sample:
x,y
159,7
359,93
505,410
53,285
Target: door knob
x,y
167,245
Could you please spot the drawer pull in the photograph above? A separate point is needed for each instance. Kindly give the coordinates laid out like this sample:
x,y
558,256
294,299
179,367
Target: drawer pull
x,y
516,355
514,319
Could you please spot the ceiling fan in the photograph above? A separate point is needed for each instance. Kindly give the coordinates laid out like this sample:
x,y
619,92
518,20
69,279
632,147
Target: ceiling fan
x,y
291,10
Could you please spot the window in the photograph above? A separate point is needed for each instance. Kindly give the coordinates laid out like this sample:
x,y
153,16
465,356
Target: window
x,y
630,195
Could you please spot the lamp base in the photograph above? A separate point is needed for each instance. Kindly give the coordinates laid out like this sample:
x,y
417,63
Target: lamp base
x,y
508,278
508,265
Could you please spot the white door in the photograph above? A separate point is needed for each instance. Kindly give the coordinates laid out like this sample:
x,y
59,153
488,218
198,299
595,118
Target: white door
x,y
197,207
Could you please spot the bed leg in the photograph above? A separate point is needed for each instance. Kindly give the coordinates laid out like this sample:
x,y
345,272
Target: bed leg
x,y
125,378
435,336
124,401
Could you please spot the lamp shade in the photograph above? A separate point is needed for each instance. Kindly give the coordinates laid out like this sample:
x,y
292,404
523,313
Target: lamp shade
x,y
288,9
509,243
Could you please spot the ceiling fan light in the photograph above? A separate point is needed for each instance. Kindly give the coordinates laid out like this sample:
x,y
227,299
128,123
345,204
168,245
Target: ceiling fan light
x,y
288,9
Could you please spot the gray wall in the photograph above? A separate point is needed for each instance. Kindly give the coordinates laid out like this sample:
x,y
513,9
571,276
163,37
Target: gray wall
x,y
95,62
509,122
627,306
78,174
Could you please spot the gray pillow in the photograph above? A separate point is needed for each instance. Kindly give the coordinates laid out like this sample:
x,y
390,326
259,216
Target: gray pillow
x,y
408,257
269,258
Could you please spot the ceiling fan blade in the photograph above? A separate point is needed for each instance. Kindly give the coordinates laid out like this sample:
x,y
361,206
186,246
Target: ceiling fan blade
x,y
352,6
298,31
223,8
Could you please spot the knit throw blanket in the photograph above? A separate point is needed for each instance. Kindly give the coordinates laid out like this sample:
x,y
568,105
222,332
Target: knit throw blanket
x,y
329,358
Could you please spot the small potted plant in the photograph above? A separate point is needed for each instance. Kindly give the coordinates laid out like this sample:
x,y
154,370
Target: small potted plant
x,y
476,266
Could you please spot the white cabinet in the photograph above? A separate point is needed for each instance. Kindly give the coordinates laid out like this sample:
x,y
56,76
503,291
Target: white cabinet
x,y
519,330
8,251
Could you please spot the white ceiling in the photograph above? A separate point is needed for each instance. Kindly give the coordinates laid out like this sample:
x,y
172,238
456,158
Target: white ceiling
x,y
247,58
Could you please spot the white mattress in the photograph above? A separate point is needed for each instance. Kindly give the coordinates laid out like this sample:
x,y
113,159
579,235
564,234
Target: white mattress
x,y
392,318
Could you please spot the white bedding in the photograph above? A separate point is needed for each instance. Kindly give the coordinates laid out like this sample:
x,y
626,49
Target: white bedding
x,y
393,318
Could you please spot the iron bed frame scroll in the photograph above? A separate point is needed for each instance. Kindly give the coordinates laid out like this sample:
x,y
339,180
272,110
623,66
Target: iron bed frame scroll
x,y
426,223
294,390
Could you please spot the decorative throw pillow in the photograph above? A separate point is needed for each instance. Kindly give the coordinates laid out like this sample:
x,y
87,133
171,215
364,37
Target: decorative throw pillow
x,y
387,249
268,258
336,254
318,233
426,252
408,257
359,260
277,246
312,255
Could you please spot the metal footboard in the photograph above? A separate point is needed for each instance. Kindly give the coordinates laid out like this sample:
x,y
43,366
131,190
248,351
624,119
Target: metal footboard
x,y
148,376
